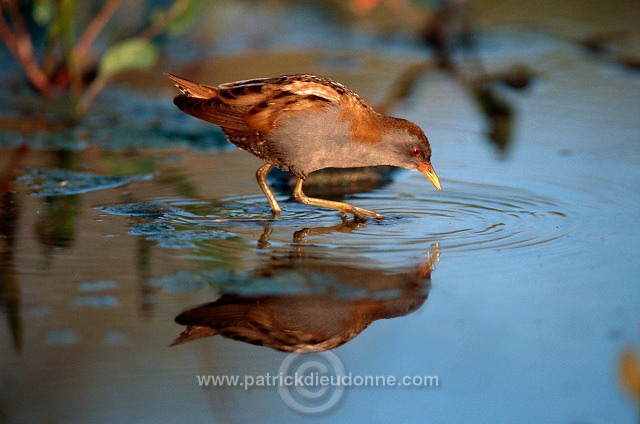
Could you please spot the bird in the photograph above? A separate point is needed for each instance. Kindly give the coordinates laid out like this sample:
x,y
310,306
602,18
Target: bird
x,y
294,323
302,123
324,304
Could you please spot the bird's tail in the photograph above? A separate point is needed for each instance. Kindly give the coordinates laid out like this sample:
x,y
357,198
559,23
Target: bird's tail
x,y
193,89
194,332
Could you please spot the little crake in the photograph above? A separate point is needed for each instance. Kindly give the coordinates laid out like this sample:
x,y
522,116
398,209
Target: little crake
x,y
303,123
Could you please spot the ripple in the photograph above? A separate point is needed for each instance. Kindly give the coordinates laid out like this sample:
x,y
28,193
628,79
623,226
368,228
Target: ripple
x,y
466,216
249,209
470,216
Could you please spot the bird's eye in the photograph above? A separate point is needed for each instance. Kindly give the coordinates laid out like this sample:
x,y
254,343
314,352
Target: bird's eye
x,y
416,151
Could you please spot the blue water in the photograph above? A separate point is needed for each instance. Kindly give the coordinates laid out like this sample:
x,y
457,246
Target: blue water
x,y
516,285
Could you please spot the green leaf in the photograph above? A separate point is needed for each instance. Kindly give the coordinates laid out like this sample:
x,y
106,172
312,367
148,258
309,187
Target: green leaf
x,y
131,54
43,11
182,22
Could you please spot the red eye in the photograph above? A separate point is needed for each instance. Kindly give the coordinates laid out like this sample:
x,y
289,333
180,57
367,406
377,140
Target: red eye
x,y
415,151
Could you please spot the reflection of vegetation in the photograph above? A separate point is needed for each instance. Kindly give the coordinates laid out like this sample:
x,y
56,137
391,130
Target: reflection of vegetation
x,y
498,113
630,375
619,46
9,212
180,182
66,64
9,290
449,28
56,226
147,293
134,165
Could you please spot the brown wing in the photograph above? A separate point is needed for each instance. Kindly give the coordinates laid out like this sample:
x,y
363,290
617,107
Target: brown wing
x,y
214,111
255,105
290,93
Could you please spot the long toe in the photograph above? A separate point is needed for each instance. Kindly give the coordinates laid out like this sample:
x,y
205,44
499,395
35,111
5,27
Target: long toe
x,y
357,214
345,208
362,213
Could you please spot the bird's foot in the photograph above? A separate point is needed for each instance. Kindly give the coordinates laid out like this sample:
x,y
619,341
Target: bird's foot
x,y
345,208
360,213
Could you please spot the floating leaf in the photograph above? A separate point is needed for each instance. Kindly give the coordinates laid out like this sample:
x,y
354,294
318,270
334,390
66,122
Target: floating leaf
x,y
150,208
61,182
131,54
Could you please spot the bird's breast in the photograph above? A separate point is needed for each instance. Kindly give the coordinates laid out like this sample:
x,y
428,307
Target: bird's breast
x,y
307,141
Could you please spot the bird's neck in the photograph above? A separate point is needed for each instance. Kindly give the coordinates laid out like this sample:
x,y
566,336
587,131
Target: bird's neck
x,y
368,126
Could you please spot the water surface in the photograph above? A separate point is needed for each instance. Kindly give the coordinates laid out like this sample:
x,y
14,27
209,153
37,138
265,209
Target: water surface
x,y
518,281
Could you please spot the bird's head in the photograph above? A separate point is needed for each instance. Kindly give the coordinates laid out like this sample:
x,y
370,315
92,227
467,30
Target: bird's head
x,y
410,149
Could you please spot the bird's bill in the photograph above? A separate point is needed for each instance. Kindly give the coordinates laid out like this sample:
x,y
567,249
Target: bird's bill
x,y
428,172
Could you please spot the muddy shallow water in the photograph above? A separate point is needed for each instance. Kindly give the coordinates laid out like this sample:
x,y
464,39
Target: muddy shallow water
x,y
516,285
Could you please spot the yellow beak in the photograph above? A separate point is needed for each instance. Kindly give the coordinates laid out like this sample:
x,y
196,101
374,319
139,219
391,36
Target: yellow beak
x,y
428,172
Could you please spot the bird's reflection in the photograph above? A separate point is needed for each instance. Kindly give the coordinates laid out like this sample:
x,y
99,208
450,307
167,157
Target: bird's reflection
x,y
331,302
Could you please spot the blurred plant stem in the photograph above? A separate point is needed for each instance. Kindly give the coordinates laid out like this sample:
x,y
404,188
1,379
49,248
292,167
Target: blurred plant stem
x,y
64,65
20,45
94,29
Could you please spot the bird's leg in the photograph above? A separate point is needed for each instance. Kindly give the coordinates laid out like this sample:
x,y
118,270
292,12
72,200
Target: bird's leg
x,y
346,226
344,207
263,241
261,176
